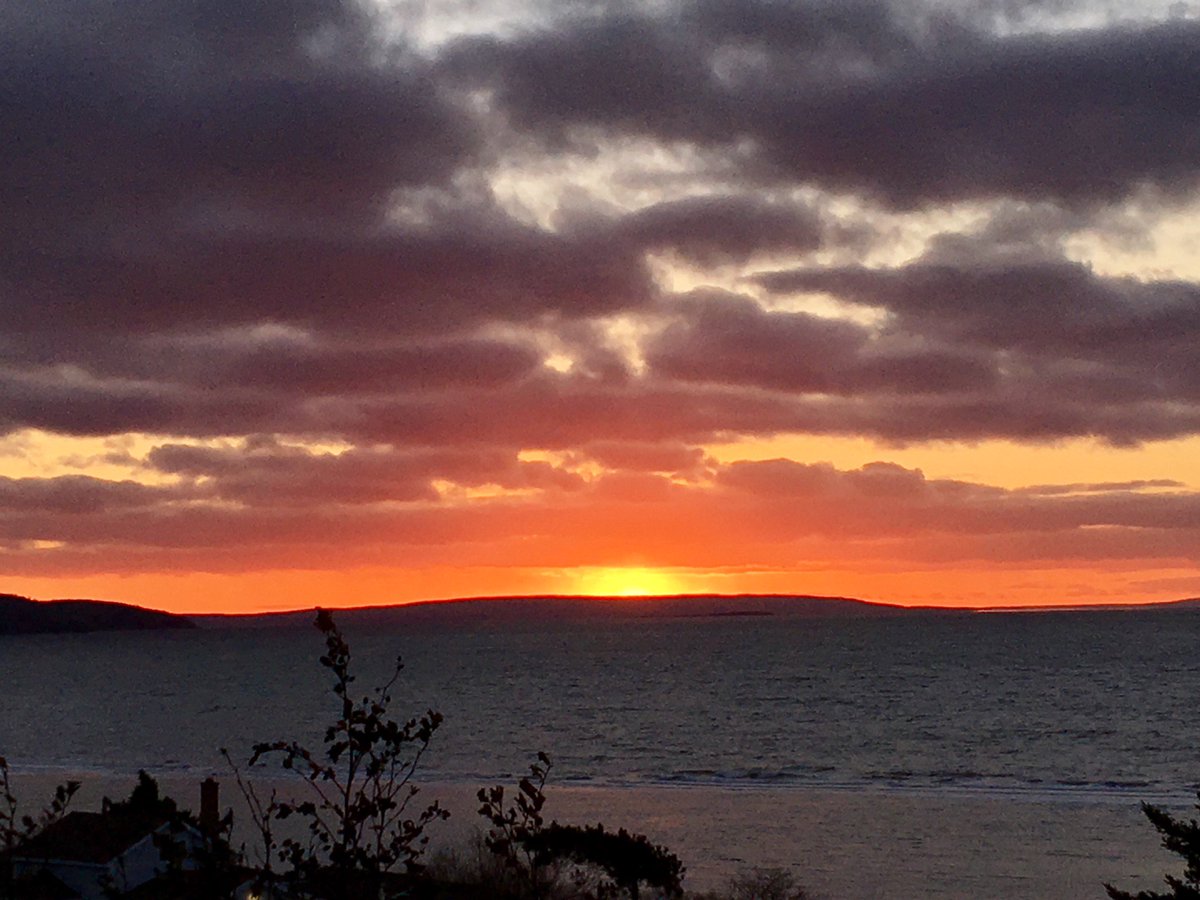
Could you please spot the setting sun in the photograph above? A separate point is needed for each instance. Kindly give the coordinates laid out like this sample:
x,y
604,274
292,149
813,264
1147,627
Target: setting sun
x,y
628,581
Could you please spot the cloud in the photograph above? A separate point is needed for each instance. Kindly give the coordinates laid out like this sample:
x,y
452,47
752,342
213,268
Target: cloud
x,y
902,102
732,340
252,514
116,111
427,280
280,361
669,457
715,229
1035,305
265,473
308,230
81,494
1024,337
1077,117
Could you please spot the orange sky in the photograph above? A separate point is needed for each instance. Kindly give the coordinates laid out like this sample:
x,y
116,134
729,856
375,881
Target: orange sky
x,y
885,531
900,303
191,592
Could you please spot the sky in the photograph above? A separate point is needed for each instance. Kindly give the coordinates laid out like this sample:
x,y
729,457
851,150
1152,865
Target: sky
x,y
338,302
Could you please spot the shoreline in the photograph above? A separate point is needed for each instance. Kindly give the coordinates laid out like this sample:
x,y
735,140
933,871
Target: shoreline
x,y
1076,794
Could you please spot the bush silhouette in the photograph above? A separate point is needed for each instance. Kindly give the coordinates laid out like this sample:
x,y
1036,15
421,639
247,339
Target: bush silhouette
x,y
627,859
533,851
16,827
514,826
765,884
360,828
1179,836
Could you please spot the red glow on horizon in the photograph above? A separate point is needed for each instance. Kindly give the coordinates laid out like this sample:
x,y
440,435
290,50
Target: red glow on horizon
x,y
252,593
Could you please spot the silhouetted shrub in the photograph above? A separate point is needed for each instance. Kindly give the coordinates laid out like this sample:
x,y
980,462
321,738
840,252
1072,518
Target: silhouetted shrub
x,y
1179,836
468,864
515,825
534,852
16,827
765,884
359,827
627,859
263,814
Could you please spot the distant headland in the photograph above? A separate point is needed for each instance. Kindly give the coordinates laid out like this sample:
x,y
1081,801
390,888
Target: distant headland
x,y
570,608
574,608
22,615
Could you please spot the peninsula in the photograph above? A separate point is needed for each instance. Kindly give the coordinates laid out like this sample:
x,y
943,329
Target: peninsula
x,y
21,615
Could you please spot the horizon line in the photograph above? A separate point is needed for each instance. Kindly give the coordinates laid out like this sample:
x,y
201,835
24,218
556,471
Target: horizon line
x,y
635,598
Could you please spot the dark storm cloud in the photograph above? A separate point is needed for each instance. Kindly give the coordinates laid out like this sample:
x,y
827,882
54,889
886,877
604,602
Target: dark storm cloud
x,y
845,31
317,370
560,412
1082,118
1026,349
56,402
120,111
255,218
1038,303
425,281
734,371
890,100
228,163
1067,325
626,72
450,276
245,383
732,340
280,362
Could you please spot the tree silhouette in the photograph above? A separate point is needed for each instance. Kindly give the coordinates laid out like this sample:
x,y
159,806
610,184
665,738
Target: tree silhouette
x,y
1179,836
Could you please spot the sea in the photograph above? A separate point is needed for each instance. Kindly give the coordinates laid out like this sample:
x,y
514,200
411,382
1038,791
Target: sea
x,y
939,755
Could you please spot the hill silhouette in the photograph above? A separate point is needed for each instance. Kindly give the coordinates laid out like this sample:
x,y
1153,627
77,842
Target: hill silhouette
x,y
21,615
487,611
517,610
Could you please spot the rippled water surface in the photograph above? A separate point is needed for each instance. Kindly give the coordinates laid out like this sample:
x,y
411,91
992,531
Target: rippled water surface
x,y
1045,704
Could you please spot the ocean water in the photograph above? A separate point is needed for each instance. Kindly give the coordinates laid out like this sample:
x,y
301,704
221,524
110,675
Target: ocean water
x,y
1051,724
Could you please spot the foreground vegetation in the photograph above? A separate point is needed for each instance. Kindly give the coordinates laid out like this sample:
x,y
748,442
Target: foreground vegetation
x,y
1182,837
356,829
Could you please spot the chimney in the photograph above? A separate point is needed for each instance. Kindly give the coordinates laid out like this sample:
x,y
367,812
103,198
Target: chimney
x,y
210,818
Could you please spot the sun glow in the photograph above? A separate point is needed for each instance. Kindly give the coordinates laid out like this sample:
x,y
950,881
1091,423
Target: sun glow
x,y
628,581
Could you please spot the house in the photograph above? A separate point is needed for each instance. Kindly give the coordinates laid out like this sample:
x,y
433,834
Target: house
x,y
124,849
